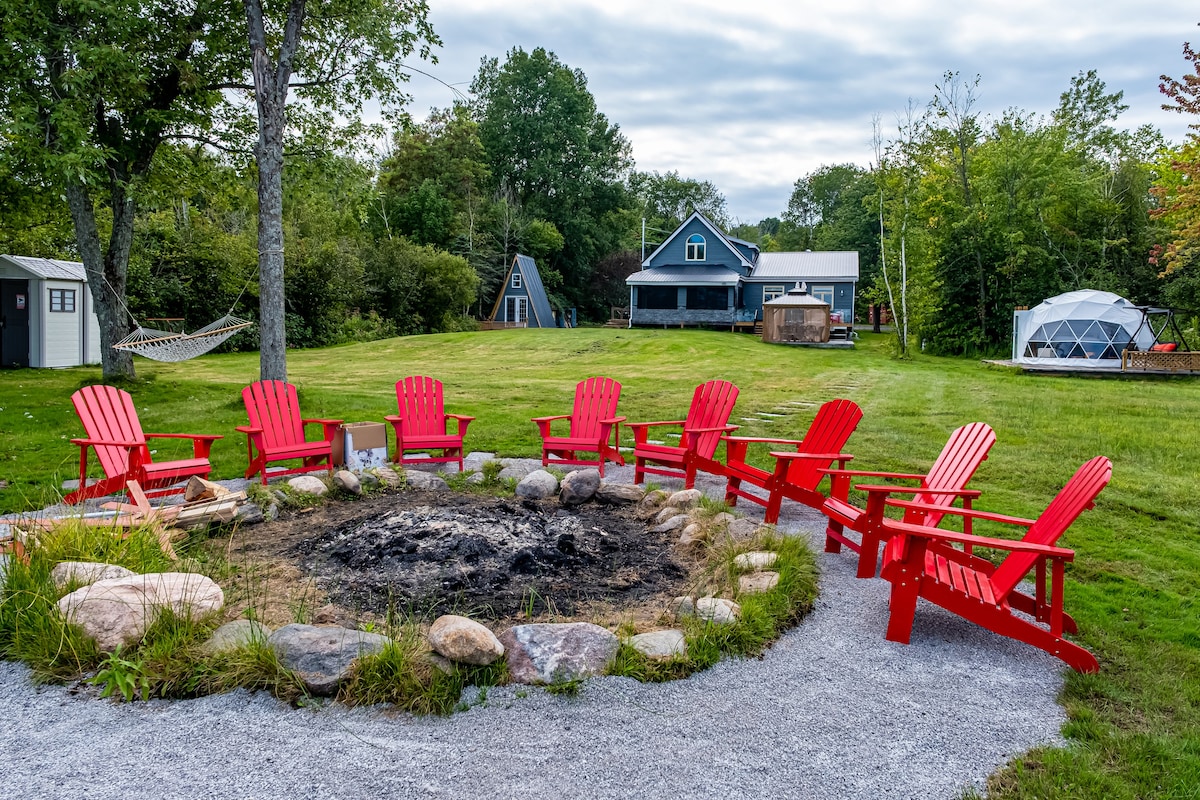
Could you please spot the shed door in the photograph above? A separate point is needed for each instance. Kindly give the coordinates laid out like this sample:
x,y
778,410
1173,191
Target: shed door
x,y
14,323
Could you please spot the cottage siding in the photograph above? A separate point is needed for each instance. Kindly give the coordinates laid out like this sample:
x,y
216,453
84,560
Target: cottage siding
x,y
90,324
716,251
750,252
63,334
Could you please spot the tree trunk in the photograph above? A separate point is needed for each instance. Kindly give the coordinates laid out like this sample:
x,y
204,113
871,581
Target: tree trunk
x,y
270,93
106,272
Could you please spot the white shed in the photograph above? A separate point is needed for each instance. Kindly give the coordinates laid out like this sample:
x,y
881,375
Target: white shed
x,y
47,317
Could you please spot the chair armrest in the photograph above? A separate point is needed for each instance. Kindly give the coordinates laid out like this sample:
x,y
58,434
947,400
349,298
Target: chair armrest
x,y
908,476
104,443
971,540
613,421
316,421
649,424
207,437
463,421
201,443
725,428
748,439
884,489
815,456
246,429
547,419
961,512
461,417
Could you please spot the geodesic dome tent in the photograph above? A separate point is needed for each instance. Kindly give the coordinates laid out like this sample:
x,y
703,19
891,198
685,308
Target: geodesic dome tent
x,y
1086,329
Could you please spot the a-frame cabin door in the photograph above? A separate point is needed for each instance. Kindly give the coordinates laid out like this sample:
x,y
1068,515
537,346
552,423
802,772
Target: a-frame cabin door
x,y
516,309
14,323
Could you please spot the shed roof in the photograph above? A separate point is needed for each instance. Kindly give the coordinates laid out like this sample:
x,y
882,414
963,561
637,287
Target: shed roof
x,y
822,265
50,268
537,292
685,276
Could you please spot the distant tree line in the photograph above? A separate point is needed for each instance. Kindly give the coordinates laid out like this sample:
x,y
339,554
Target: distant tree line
x,y
958,218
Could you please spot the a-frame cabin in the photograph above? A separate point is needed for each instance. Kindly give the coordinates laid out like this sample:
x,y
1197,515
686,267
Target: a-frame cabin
x,y
522,302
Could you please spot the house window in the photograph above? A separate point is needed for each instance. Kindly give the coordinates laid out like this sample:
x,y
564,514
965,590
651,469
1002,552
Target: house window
x,y
695,247
707,298
62,300
822,293
516,280
657,297
771,291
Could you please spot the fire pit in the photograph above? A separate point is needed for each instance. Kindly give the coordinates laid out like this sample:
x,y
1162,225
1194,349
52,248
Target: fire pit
x,y
427,553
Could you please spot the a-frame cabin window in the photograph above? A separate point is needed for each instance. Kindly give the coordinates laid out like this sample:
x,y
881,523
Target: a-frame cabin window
x,y
516,283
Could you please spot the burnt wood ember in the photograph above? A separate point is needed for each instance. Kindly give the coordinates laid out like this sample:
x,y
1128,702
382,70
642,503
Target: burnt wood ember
x,y
425,554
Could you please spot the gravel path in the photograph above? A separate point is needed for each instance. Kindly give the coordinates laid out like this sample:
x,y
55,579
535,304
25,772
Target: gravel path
x,y
832,710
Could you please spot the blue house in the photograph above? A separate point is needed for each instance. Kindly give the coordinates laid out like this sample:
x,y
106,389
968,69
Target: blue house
x,y
522,302
701,277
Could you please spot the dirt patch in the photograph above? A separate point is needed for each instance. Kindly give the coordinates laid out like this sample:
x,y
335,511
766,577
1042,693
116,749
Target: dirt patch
x,y
421,554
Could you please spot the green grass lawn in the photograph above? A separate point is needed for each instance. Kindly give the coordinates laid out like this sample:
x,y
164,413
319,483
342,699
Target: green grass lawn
x,y
1134,729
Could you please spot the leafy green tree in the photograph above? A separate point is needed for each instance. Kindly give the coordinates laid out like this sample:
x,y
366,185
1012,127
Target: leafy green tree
x,y
418,288
664,201
345,52
90,92
560,158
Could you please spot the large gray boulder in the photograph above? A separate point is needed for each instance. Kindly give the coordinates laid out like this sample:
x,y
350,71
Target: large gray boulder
x,y
558,652
309,484
685,498
538,485
347,481
430,482
234,636
323,657
85,573
579,487
660,645
118,611
464,640
619,494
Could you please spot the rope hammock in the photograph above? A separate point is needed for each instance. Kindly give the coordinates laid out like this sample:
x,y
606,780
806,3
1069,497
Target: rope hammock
x,y
167,346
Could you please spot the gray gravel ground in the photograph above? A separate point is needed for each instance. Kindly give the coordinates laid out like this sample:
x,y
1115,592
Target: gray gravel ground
x,y
832,710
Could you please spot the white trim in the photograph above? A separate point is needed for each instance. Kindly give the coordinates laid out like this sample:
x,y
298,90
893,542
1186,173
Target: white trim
x,y
695,250
516,280
824,293
774,290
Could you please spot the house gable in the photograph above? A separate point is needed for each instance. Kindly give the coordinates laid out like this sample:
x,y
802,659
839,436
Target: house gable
x,y
718,250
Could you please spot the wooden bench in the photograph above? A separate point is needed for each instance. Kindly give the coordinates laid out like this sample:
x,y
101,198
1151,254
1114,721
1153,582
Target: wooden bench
x,y
1161,360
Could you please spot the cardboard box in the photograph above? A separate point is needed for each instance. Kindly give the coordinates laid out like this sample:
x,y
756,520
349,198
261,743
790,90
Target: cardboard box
x,y
361,445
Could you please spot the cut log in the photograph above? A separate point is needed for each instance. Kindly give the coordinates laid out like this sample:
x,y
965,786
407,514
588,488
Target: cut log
x,y
200,489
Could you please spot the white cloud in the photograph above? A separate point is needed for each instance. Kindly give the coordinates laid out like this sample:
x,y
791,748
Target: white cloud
x,y
755,94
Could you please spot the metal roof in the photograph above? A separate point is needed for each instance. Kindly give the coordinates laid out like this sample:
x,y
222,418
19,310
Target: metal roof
x,y
537,292
685,276
50,268
806,266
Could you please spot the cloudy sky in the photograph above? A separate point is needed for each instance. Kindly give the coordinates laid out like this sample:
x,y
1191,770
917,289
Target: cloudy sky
x,y
753,94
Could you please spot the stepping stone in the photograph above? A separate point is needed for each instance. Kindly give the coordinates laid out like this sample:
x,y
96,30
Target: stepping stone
x,y
758,582
755,560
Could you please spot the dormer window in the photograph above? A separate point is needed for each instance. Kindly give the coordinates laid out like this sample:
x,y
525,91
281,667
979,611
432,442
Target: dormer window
x,y
516,280
695,247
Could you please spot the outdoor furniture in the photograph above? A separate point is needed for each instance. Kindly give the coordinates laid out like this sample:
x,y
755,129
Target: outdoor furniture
x,y
593,423
921,561
945,482
422,423
276,431
796,475
115,435
707,421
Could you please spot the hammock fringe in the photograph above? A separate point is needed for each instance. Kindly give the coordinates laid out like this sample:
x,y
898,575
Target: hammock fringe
x,y
173,347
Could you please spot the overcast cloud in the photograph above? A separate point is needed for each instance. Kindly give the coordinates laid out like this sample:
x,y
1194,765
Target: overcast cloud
x,y
752,95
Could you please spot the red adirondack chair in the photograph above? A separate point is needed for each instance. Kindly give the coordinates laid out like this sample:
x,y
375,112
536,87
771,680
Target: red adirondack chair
x,y
920,561
796,475
276,431
945,482
422,423
594,422
707,421
115,434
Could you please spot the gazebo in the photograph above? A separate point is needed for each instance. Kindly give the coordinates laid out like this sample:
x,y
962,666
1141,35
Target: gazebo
x,y
796,318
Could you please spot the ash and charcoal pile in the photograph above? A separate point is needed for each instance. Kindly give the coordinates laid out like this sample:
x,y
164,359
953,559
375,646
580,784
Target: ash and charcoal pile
x,y
491,557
